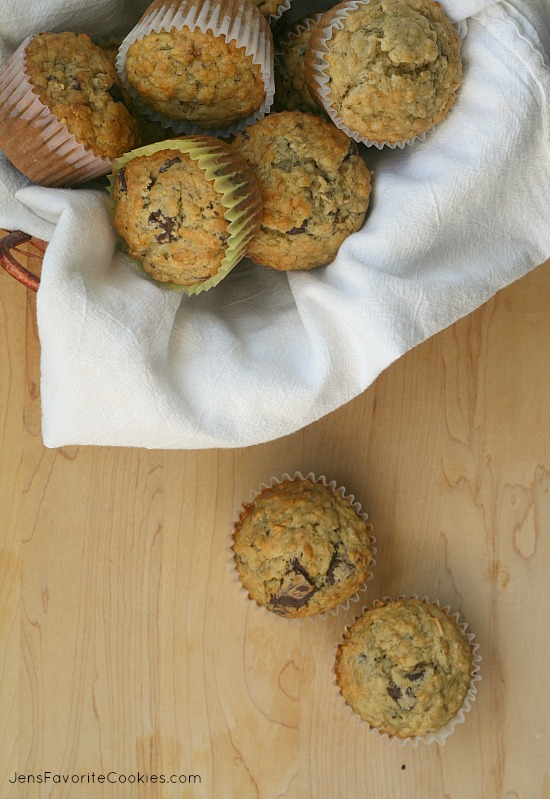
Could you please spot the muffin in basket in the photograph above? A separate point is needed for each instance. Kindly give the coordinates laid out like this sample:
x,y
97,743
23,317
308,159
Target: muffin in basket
x,y
315,188
65,115
385,71
187,209
291,91
301,547
200,67
405,666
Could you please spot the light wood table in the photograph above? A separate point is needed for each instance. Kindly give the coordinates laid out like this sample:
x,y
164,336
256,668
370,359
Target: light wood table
x,y
127,647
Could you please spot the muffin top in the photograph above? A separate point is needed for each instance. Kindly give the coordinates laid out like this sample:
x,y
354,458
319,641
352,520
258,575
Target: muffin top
x,y
301,548
195,76
78,82
394,67
404,667
291,91
315,188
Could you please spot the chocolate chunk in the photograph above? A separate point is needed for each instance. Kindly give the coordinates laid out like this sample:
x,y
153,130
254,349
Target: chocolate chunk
x,y
121,181
338,562
352,150
296,588
167,164
416,675
166,223
395,692
294,230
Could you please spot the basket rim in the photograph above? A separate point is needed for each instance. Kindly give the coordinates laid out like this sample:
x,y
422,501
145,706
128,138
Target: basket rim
x,y
9,262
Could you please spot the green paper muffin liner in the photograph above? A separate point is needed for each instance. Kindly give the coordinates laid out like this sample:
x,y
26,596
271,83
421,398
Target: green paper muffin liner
x,y
232,179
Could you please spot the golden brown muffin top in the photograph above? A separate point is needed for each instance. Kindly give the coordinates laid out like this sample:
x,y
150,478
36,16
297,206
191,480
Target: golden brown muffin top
x,y
78,82
315,188
195,76
394,67
301,548
404,667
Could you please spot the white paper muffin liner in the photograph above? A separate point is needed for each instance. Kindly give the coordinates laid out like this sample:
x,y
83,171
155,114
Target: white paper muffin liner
x,y
32,137
354,504
249,29
281,9
439,736
319,80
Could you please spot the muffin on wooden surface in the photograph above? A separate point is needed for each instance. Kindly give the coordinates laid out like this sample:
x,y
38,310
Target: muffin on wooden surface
x,y
291,91
186,208
200,67
302,547
405,667
65,113
315,188
385,71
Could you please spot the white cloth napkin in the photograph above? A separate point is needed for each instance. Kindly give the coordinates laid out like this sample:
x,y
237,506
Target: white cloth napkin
x,y
452,220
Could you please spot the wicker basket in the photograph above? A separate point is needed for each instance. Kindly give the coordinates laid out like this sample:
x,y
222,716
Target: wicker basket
x,y
10,246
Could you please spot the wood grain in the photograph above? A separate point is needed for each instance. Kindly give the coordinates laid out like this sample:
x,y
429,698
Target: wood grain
x,y
127,646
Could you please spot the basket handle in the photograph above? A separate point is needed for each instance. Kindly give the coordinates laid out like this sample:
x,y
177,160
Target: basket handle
x,y
11,265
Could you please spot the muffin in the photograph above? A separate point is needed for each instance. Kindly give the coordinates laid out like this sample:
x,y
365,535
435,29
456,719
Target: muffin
x,y
405,667
149,131
66,114
186,209
301,547
200,68
291,91
385,71
315,188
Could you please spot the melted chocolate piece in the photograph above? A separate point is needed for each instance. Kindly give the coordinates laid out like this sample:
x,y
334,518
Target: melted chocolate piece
x,y
338,562
416,675
167,164
353,149
164,222
395,692
295,230
296,588
121,181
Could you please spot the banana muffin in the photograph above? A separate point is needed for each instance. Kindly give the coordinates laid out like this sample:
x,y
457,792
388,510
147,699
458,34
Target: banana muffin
x,y
65,115
291,91
385,70
405,667
301,547
315,188
77,80
186,209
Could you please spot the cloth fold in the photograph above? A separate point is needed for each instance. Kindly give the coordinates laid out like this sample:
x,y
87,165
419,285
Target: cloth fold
x,y
452,220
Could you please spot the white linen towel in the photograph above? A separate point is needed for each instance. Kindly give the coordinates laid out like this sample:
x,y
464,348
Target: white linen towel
x,y
452,220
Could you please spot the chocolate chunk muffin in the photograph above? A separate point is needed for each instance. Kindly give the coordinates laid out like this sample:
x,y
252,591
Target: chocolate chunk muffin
x,y
405,667
301,547
291,91
315,188
78,82
186,209
393,67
